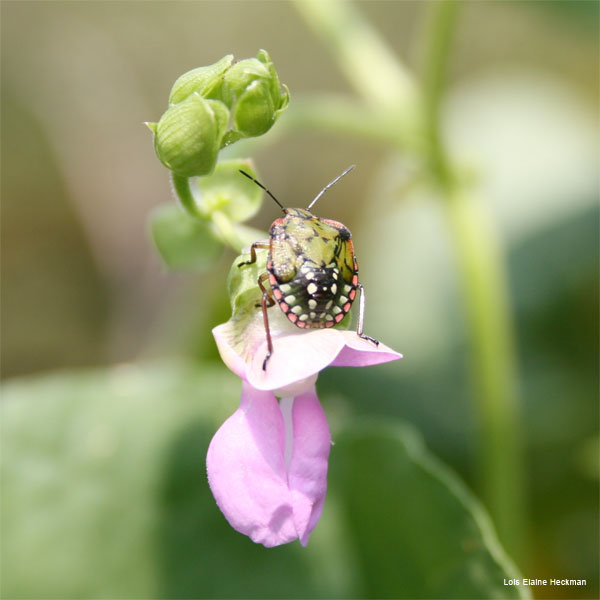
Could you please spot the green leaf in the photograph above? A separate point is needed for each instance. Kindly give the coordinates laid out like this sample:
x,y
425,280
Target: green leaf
x,y
416,530
228,191
250,234
184,243
244,293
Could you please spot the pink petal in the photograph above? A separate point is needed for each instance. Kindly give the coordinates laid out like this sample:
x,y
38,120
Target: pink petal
x,y
230,357
298,356
247,472
262,497
358,352
307,472
295,358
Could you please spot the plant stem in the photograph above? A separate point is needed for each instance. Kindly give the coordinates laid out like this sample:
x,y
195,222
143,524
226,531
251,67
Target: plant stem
x,y
347,116
222,226
438,38
485,290
226,231
366,61
487,307
181,186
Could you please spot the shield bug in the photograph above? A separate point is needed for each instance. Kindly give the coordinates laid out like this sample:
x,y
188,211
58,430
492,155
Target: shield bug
x,y
311,269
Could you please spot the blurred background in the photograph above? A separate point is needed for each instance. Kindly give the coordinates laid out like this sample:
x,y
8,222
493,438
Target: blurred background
x,y
83,288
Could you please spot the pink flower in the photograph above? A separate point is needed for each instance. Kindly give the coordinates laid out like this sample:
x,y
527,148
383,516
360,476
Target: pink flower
x,y
267,464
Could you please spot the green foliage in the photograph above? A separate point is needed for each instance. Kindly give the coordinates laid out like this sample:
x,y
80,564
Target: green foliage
x,y
417,531
229,192
183,243
241,283
105,495
193,239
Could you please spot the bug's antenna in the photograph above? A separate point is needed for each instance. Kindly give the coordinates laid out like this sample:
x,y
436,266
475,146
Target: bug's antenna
x,y
329,185
259,184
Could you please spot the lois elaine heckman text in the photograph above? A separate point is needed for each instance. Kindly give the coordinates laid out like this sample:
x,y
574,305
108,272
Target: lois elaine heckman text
x,y
540,582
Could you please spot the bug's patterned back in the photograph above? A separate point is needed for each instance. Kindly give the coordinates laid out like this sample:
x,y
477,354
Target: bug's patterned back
x,y
312,269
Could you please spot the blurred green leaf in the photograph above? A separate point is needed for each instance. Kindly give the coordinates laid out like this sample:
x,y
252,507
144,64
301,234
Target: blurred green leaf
x,y
105,495
183,242
417,531
228,191
250,234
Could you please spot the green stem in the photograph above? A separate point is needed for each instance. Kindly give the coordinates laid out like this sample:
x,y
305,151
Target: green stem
x,y
181,185
222,226
343,115
367,62
485,290
226,231
438,38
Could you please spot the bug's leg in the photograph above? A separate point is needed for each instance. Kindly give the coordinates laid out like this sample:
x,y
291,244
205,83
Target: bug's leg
x,y
268,291
263,244
266,301
361,317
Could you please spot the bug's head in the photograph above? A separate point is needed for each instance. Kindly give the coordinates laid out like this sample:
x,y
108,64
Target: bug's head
x,y
299,212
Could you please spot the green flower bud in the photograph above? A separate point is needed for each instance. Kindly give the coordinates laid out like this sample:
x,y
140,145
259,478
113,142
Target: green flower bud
x,y
254,112
197,123
251,90
188,136
203,80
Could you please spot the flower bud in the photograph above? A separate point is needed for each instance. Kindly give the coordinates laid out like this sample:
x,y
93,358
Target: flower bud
x,y
188,136
252,91
197,123
203,80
